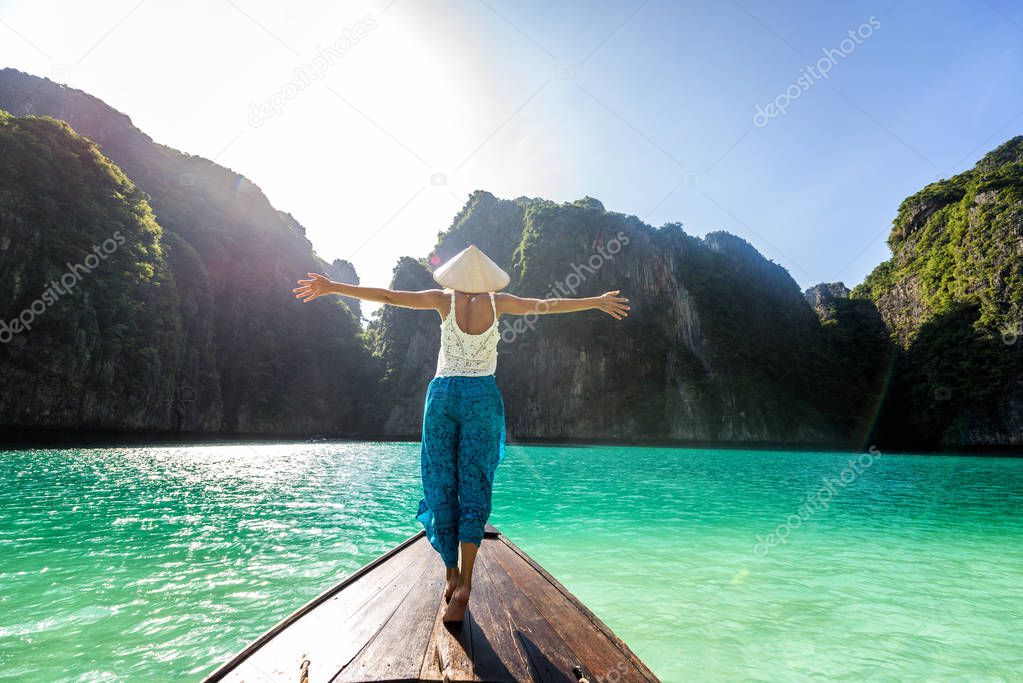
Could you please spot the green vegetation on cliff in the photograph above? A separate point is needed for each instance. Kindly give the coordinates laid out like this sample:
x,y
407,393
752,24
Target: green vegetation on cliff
x,y
89,302
952,298
227,346
960,242
720,344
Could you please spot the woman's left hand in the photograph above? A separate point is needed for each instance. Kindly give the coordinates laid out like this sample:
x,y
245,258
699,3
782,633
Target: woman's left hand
x,y
613,305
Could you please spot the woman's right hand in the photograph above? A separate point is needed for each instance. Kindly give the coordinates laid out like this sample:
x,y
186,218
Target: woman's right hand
x,y
613,305
311,289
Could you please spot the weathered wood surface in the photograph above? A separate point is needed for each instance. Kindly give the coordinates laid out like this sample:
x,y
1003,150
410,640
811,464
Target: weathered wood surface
x,y
384,624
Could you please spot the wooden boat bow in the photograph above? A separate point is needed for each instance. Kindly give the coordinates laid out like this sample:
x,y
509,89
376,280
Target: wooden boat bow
x,y
383,623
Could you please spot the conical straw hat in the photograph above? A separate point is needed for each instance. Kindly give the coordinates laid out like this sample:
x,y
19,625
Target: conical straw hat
x,y
470,270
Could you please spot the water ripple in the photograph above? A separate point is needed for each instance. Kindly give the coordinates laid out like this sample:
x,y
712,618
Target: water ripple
x,y
158,563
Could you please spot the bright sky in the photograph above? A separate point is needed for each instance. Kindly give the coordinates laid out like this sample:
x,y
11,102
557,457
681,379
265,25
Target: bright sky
x,y
648,106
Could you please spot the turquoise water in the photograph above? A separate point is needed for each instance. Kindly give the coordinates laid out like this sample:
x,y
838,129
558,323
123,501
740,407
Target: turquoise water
x,y
158,563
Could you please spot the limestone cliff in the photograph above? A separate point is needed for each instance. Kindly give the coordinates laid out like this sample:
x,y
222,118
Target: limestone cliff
x,y
952,298
189,323
720,344
247,357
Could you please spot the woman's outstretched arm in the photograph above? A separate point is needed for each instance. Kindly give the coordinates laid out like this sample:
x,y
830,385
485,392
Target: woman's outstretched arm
x,y
612,304
319,285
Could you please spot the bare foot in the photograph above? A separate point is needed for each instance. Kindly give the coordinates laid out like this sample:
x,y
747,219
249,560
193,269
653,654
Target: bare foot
x,y
452,582
455,612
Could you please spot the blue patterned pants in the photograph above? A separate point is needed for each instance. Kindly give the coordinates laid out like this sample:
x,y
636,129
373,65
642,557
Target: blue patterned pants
x,y
463,443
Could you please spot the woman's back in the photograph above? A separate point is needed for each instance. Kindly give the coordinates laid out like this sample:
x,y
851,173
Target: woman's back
x,y
468,349
474,314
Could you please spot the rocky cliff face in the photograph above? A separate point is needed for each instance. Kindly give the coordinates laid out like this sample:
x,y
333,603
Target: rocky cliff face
x,y
90,325
952,298
189,323
247,357
720,344
823,298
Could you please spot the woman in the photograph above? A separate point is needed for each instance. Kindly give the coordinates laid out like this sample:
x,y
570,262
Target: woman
x,y
463,420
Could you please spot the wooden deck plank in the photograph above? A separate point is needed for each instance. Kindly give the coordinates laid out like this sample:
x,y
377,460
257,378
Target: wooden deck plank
x,y
599,655
395,651
496,649
324,634
335,648
549,658
430,669
620,644
449,655
362,625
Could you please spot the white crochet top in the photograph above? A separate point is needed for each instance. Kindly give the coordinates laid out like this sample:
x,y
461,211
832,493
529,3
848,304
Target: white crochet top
x,y
461,353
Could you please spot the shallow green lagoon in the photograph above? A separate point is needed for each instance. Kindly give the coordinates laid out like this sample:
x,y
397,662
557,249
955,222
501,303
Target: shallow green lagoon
x,y
158,563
